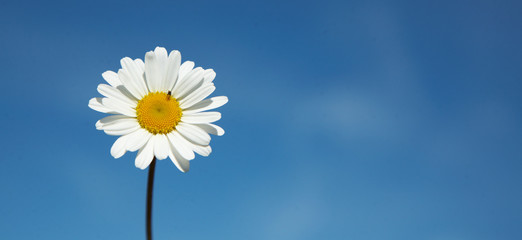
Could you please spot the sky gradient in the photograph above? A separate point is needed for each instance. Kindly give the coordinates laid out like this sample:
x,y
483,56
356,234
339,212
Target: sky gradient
x,y
346,120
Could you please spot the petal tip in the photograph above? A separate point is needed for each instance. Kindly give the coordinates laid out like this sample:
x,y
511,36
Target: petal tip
x,y
158,48
174,53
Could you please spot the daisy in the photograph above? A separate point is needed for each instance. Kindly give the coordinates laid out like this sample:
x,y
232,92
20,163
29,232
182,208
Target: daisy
x,y
159,108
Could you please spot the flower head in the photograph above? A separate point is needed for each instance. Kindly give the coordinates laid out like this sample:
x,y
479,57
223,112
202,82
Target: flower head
x,y
159,108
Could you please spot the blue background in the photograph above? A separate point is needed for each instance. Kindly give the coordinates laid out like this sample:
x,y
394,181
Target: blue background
x,y
346,120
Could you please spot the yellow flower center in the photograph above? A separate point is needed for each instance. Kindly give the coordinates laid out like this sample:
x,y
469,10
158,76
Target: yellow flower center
x,y
158,112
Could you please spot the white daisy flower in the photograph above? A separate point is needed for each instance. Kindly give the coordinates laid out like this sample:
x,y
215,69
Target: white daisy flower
x,y
159,109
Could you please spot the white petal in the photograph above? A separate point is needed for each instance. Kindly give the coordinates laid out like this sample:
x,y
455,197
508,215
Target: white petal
x,y
118,148
202,150
140,64
202,117
173,64
193,133
196,96
181,163
130,83
207,104
110,120
145,155
138,139
121,129
155,69
161,146
116,122
114,93
111,78
209,75
97,105
136,75
212,129
181,145
192,81
185,68
119,107
127,94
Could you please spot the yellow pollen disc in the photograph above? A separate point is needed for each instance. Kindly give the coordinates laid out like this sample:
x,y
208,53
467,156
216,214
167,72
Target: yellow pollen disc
x,y
158,112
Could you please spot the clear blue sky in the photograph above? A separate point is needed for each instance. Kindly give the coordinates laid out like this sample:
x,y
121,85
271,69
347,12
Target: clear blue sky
x,y
346,120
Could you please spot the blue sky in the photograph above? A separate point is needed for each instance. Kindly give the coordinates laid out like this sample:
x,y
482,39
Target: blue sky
x,y
346,120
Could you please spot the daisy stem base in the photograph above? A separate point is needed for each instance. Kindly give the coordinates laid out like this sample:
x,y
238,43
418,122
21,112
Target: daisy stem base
x,y
150,185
